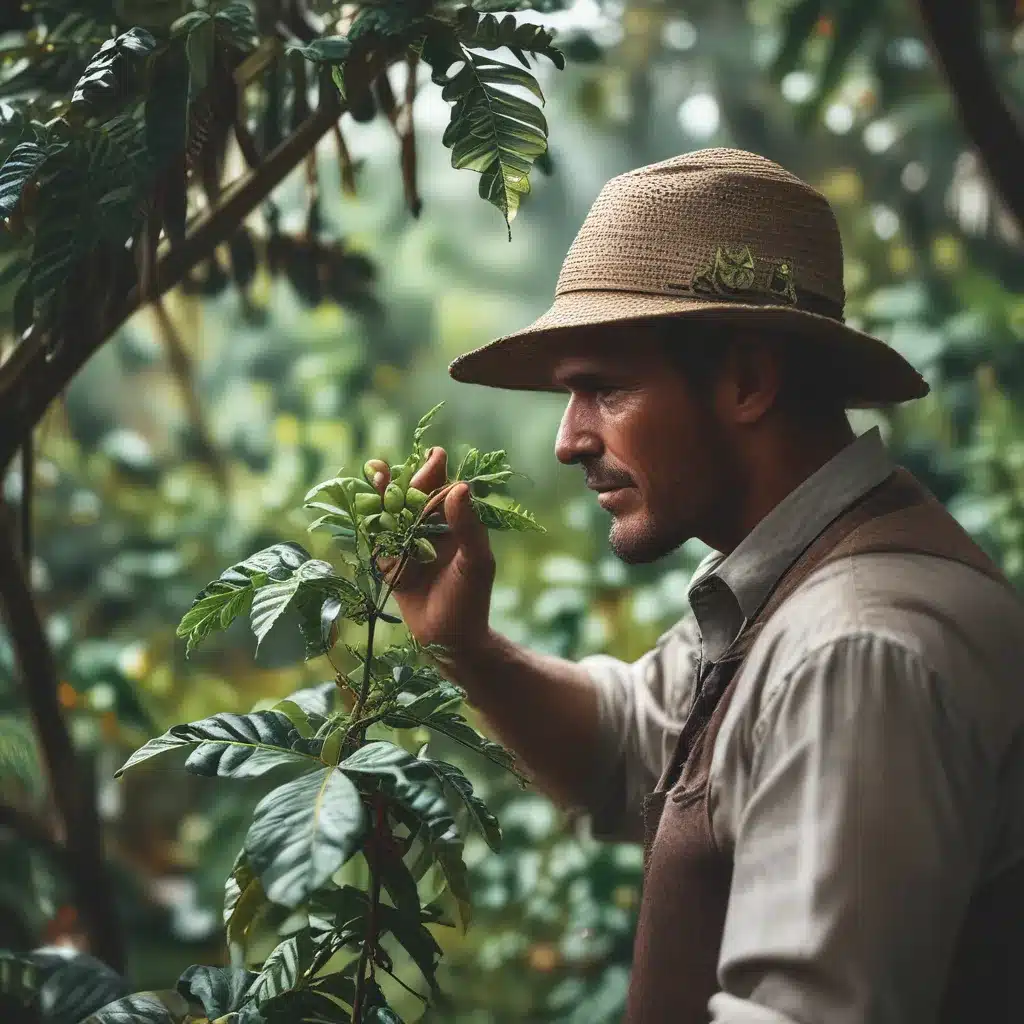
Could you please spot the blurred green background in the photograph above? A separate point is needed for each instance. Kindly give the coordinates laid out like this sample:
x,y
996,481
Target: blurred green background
x,y
189,440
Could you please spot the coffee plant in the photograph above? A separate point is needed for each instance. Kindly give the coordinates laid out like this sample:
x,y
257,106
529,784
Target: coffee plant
x,y
357,852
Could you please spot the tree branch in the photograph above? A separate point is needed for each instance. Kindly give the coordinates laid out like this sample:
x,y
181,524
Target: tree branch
x,y
73,791
33,376
996,131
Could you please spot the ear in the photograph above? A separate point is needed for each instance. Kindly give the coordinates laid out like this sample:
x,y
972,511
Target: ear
x,y
750,385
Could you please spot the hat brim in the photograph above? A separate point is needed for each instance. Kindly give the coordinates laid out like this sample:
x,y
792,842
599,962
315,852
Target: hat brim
x,y
872,373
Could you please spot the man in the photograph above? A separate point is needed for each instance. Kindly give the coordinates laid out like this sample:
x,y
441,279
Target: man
x,y
826,759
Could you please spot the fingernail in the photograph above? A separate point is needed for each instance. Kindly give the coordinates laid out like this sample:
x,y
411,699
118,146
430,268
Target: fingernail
x,y
430,451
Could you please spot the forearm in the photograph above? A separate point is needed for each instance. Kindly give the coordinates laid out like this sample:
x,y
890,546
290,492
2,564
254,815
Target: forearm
x,y
542,707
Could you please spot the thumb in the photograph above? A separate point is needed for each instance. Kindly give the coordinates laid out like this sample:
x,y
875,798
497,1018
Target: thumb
x,y
469,533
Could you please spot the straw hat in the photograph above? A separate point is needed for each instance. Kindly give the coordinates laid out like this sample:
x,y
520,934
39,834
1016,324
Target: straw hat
x,y
719,235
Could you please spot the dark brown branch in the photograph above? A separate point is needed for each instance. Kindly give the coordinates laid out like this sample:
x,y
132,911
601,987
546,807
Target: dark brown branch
x,y
955,31
181,367
73,790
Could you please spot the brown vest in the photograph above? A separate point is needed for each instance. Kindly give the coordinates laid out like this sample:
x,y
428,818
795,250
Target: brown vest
x,y
687,877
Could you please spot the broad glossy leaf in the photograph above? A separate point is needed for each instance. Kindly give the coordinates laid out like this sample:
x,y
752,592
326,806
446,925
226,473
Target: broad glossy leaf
x,y
232,746
244,901
143,1008
320,700
78,988
235,25
219,990
302,832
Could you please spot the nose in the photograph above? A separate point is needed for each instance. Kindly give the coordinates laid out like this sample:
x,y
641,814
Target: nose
x,y
576,438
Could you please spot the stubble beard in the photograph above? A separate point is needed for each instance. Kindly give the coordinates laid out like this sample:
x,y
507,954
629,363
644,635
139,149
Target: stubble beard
x,y
638,543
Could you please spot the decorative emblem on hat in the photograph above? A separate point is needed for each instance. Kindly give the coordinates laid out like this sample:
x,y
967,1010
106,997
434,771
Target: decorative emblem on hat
x,y
728,272
737,272
780,283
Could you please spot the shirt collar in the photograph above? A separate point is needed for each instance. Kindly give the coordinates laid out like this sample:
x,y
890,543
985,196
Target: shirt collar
x,y
726,591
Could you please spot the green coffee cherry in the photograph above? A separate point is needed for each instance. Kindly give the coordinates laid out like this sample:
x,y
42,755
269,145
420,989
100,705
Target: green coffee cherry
x,y
374,466
423,550
406,518
367,504
415,499
394,498
388,522
401,475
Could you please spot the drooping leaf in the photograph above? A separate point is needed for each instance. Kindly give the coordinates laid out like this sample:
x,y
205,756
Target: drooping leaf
x,y
219,990
231,594
232,746
236,25
143,1008
199,48
244,901
18,169
325,50
282,968
310,584
113,73
414,938
302,832
502,517
480,816
440,718
320,700
78,988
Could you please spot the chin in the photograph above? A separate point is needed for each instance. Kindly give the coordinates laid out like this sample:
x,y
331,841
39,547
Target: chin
x,y
637,544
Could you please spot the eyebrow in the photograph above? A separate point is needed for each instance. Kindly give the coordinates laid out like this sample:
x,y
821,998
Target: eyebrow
x,y
583,378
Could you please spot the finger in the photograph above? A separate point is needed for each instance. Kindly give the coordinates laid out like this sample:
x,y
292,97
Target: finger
x,y
433,473
468,532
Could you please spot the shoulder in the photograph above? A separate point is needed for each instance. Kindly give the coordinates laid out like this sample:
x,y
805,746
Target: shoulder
x,y
901,618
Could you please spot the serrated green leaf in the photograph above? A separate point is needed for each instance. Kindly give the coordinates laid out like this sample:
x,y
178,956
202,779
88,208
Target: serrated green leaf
x,y
231,746
500,517
143,1008
424,424
302,832
461,790
306,589
231,594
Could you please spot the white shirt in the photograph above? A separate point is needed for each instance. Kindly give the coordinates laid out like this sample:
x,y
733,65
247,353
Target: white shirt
x,y
869,773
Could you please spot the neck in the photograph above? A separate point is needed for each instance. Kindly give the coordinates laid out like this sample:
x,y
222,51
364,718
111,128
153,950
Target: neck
x,y
771,467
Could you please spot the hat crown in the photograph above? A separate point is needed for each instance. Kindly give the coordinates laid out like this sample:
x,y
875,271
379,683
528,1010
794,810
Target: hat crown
x,y
716,220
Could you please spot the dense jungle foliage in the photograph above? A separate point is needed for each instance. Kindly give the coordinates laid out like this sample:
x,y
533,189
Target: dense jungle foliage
x,y
238,251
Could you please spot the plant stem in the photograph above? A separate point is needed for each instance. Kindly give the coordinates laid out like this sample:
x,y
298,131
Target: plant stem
x,y
364,689
366,955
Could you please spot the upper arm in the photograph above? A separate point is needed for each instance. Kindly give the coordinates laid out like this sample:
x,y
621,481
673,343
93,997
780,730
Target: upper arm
x,y
641,707
859,822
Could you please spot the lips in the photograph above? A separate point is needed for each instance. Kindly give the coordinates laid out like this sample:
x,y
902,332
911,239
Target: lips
x,y
609,497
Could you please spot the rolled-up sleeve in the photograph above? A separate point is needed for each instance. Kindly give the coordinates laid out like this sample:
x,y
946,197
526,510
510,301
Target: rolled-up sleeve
x,y
859,826
641,708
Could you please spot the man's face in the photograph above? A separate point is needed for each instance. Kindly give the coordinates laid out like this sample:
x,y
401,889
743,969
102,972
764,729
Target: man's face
x,y
657,453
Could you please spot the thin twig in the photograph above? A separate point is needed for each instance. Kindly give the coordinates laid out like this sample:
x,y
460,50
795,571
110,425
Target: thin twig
x,y
181,366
